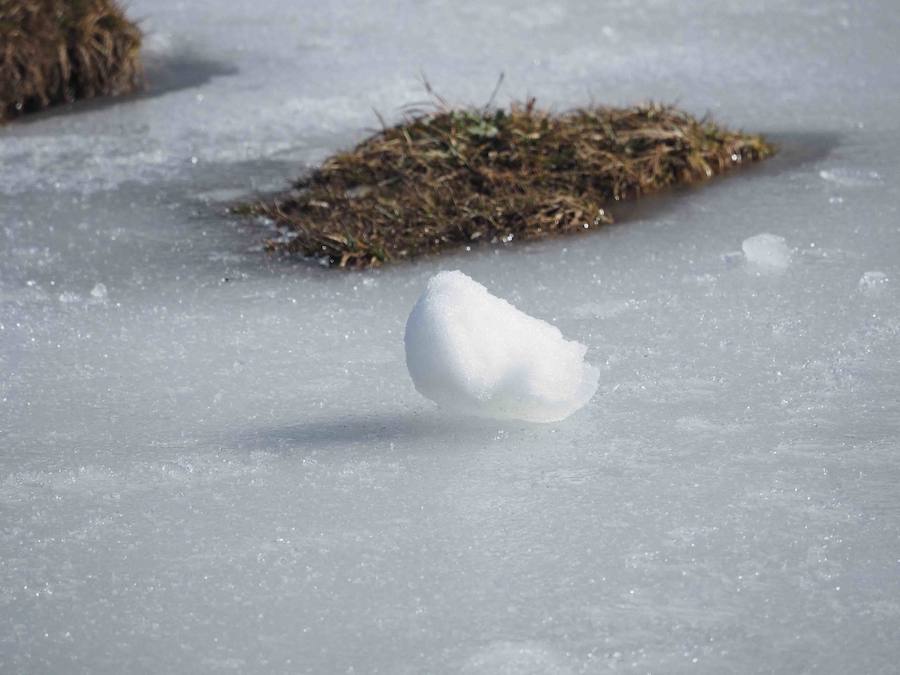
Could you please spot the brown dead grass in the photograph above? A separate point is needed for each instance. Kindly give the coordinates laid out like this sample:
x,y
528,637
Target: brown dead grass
x,y
58,51
447,178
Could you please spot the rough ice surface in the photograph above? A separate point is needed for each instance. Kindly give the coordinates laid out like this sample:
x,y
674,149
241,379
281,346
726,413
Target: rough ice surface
x,y
224,465
767,251
472,352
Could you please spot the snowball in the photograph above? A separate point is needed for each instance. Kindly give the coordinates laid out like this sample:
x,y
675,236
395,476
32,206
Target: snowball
x,y
871,283
767,250
475,353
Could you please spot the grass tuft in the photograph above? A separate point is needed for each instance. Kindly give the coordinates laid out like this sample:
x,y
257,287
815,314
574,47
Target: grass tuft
x,y
59,51
447,178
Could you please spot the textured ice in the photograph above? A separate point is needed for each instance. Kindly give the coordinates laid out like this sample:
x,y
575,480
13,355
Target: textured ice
x,y
514,658
225,465
475,353
767,251
872,282
851,177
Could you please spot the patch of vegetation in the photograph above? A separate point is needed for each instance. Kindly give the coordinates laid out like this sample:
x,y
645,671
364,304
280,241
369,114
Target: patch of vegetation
x,y
447,178
58,51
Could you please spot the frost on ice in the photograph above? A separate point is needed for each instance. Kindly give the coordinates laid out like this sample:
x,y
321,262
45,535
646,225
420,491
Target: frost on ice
x,y
767,251
871,283
849,177
472,352
99,292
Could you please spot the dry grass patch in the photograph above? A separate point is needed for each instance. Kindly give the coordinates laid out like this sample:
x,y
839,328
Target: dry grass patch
x,y
447,178
58,51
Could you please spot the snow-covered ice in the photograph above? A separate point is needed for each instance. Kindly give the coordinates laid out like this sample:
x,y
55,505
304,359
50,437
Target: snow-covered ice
x,y
766,250
224,465
475,353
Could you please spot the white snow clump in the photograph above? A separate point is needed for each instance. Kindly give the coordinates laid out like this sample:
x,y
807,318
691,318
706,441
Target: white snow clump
x,y
474,353
767,250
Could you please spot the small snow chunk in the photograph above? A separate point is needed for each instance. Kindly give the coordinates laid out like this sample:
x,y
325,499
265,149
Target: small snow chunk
x,y
873,282
99,292
767,250
475,353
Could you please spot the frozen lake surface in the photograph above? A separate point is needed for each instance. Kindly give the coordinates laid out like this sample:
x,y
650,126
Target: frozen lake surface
x,y
211,459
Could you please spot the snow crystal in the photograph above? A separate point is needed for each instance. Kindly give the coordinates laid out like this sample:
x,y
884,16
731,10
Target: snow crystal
x,y
472,352
872,282
767,250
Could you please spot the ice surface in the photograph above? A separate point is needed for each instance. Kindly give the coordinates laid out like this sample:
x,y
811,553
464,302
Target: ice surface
x,y
224,465
475,353
767,251
850,177
511,658
873,282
